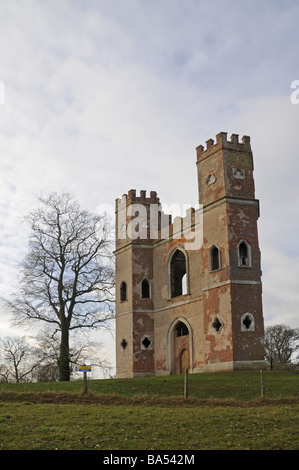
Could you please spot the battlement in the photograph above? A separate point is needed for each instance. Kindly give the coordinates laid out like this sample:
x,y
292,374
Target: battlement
x,y
131,198
222,142
151,223
168,221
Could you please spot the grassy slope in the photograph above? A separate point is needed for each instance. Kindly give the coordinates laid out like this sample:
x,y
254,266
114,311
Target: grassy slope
x,y
224,412
222,385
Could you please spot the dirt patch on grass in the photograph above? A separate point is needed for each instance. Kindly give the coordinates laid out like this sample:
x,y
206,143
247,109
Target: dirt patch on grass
x,y
90,399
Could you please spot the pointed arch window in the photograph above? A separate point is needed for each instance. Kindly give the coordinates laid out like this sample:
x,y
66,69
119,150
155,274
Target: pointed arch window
x,y
123,291
244,254
214,257
145,289
181,329
178,274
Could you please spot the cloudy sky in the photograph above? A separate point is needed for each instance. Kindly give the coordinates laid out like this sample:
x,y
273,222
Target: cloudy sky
x,y
101,96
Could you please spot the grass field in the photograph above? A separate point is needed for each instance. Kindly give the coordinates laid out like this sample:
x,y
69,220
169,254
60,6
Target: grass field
x,y
223,411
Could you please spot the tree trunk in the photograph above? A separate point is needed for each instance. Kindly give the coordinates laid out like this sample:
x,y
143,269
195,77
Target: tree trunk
x,y
64,357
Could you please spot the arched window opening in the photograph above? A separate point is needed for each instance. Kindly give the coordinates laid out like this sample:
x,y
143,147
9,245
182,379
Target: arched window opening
x,y
123,291
247,322
177,273
244,254
214,258
181,329
145,289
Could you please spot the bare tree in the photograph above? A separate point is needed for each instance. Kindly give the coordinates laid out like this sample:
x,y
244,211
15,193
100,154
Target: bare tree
x,y
92,353
4,373
67,277
281,343
19,359
82,351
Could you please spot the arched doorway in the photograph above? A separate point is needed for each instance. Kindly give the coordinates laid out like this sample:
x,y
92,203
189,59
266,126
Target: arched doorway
x,y
179,346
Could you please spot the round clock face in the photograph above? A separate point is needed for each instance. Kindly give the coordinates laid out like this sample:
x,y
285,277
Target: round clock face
x,y
210,179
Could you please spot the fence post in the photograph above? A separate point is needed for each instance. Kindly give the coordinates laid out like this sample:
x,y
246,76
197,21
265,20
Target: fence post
x,y
186,384
262,384
85,382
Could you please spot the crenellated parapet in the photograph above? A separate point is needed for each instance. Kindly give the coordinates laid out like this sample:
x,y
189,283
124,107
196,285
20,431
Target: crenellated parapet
x,y
223,143
132,198
141,218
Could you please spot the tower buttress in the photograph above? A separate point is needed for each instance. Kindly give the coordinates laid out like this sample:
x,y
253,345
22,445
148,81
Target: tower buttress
x,y
134,268
232,300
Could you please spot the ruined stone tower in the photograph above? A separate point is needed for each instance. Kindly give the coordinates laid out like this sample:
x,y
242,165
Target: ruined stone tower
x,y
188,291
